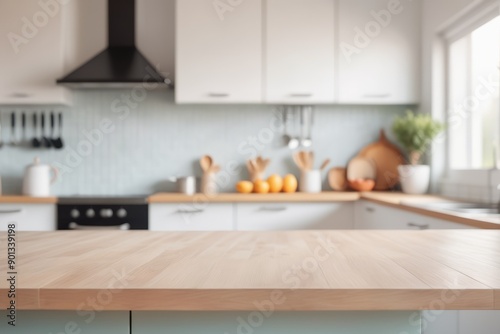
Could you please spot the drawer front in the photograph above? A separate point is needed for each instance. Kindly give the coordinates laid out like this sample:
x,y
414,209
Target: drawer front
x,y
371,216
295,216
28,217
190,217
439,224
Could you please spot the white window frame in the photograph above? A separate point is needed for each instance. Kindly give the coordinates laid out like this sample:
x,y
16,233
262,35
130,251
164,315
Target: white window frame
x,y
468,22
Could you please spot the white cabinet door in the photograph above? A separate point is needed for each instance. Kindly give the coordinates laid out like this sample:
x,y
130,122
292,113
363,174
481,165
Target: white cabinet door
x,y
371,216
189,217
474,322
439,224
379,49
28,217
219,51
294,216
380,217
300,51
31,52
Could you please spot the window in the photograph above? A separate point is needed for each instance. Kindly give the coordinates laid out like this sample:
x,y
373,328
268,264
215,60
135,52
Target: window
x,y
473,94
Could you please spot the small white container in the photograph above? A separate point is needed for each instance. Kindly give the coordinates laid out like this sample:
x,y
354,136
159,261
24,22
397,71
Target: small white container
x,y
414,179
310,181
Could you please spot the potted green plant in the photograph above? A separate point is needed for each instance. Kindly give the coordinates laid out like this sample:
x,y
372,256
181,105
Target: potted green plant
x,y
415,133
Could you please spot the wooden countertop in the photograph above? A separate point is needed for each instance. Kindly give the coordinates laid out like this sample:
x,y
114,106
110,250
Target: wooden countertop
x,y
27,200
293,270
327,196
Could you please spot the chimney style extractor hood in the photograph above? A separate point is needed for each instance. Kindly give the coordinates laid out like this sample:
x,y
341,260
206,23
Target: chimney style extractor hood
x,y
121,64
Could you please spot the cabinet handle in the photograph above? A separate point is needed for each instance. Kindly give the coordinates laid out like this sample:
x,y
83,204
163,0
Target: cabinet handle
x,y
419,226
75,226
190,211
301,94
377,96
273,208
11,211
218,94
370,209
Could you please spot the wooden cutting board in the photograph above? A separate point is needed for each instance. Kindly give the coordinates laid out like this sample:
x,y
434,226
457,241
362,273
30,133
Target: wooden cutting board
x,y
387,157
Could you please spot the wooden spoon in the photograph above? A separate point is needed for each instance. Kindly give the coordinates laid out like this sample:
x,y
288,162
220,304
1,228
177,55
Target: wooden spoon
x,y
298,161
324,164
206,163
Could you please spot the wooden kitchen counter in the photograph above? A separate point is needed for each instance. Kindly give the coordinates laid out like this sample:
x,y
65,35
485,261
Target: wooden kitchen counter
x,y
295,270
412,203
27,200
326,196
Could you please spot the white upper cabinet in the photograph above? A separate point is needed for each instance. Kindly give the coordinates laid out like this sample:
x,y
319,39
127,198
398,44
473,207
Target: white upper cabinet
x,y
300,51
31,53
219,51
378,51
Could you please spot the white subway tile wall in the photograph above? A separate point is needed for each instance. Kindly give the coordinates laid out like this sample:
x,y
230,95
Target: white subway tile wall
x,y
107,154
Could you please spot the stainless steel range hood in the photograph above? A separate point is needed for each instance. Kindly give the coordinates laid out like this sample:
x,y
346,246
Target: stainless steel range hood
x,y
121,64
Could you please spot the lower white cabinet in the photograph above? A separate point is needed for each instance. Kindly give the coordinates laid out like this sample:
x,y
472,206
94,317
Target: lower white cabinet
x,y
28,217
460,322
294,216
191,217
372,216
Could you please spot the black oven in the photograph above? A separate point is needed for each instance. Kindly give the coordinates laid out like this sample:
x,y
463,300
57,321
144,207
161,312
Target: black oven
x,y
102,213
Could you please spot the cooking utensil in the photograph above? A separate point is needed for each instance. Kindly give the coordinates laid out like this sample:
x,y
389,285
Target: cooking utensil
x,y
24,138
45,141
58,142
361,168
206,163
387,157
1,132
257,168
289,141
35,142
324,164
185,185
337,178
52,128
298,161
13,141
362,185
306,115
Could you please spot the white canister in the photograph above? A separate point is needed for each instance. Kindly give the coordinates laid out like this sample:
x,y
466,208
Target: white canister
x,y
414,178
310,181
38,178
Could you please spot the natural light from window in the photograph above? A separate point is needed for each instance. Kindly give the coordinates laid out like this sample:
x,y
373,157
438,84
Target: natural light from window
x,y
473,98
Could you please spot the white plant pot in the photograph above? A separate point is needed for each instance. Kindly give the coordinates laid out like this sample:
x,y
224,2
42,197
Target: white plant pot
x,y
414,179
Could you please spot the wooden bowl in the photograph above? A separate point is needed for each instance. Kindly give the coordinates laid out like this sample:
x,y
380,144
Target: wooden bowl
x,y
362,185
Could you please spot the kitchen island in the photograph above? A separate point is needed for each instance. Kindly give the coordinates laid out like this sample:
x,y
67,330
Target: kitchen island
x,y
246,282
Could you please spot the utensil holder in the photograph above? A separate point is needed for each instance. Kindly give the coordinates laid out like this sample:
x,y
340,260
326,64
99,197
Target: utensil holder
x,y
310,181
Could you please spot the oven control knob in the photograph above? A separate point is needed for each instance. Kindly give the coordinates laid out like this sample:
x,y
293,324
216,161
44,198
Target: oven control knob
x,y
121,213
74,213
90,213
106,213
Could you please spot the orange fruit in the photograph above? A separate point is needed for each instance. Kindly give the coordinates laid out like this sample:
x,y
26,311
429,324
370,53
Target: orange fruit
x,y
290,184
244,187
275,183
261,187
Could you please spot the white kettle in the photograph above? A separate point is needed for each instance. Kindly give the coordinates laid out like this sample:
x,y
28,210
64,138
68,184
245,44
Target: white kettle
x,y
38,179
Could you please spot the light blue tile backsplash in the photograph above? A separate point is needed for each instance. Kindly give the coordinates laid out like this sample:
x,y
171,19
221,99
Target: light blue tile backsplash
x,y
159,139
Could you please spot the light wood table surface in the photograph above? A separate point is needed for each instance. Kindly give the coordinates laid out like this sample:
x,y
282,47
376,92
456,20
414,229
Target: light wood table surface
x,y
294,270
